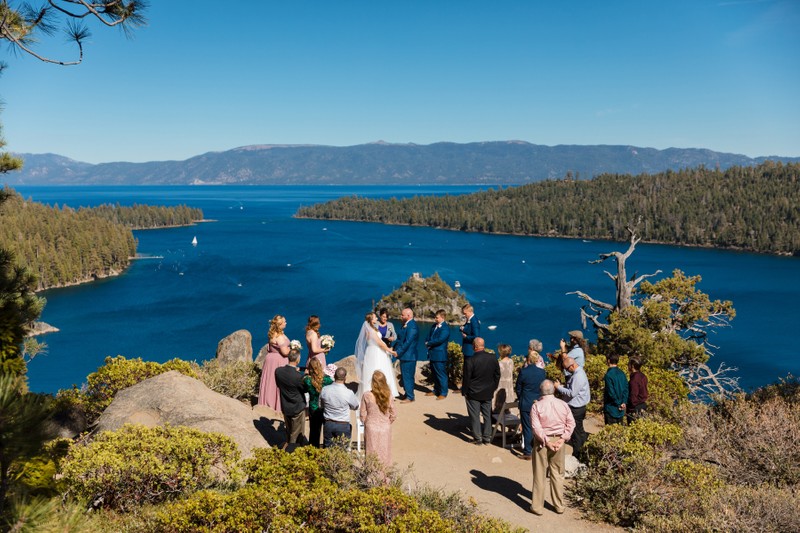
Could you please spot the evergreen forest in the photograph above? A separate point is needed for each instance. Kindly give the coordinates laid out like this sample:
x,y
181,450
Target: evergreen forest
x,y
64,246
750,208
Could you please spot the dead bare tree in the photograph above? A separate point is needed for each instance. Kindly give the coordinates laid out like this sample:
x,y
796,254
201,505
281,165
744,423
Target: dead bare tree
x,y
595,309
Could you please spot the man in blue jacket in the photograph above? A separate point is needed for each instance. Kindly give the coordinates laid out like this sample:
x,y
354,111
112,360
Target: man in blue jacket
x,y
406,348
470,330
436,343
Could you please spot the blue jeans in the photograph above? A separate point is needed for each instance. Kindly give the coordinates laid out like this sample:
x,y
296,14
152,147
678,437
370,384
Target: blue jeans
x,y
333,429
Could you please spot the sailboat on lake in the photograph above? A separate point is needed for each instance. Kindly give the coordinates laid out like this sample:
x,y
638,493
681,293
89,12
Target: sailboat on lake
x,y
194,241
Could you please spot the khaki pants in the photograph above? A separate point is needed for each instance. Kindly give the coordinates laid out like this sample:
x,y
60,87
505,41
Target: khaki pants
x,y
542,458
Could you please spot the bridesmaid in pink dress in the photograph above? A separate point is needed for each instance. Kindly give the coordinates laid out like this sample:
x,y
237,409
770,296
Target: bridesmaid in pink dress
x,y
315,349
377,414
277,353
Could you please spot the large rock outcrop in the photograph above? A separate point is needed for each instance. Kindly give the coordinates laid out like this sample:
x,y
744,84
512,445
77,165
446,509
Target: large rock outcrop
x,y
238,346
178,400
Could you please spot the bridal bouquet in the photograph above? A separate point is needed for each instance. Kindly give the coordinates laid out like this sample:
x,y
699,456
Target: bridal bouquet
x,y
327,342
295,345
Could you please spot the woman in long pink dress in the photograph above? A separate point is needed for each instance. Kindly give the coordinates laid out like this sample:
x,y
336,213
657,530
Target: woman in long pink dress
x,y
277,353
315,349
377,414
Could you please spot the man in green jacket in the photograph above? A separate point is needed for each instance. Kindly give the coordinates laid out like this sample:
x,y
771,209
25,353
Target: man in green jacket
x,y
615,395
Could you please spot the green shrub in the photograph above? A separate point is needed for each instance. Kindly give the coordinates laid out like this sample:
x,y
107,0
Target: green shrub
x,y
455,364
666,390
137,465
626,471
116,374
236,379
274,467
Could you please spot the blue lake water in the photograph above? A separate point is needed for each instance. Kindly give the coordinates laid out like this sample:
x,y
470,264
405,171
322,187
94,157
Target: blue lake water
x,y
256,261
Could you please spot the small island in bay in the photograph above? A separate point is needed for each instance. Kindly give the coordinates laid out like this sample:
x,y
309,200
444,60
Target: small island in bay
x,y
41,328
425,296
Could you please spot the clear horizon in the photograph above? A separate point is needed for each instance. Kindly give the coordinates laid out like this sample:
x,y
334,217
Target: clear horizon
x,y
718,75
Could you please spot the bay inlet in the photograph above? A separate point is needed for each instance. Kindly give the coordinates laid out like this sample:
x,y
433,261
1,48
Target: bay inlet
x,y
255,260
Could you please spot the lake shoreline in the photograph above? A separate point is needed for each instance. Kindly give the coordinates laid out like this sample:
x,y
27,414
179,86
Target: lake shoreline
x,y
552,236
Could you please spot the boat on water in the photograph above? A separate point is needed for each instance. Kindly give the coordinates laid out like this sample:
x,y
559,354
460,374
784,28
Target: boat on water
x,y
194,241
457,284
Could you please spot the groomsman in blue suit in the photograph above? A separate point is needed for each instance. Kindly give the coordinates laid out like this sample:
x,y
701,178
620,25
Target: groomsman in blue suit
x,y
470,330
406,348
437,354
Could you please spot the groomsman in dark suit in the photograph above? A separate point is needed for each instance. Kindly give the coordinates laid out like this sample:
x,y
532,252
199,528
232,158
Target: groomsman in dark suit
x,y
436,343
470,330
406,348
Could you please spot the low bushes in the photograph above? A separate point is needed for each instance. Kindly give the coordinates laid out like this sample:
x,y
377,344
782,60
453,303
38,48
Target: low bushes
x,y
752,439
138,465
236,379
731,466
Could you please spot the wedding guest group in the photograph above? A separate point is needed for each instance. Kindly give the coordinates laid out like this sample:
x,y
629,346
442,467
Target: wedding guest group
x,y
488,386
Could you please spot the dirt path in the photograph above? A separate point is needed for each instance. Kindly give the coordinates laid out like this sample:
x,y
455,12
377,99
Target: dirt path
x,y
431,435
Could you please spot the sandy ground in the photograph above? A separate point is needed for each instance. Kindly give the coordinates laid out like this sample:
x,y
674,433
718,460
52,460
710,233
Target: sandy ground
x,y
432,438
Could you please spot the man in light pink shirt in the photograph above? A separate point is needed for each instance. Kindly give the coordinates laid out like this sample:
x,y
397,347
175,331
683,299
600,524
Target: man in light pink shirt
x,y
552,423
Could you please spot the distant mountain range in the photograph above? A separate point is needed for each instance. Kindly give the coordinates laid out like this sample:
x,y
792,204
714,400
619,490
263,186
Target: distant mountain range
x,y
497,163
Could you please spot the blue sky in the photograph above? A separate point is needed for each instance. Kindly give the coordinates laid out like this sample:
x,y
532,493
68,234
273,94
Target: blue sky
x,y
722,75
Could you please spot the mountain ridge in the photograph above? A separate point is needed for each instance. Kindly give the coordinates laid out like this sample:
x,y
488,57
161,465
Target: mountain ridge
x,y
509,162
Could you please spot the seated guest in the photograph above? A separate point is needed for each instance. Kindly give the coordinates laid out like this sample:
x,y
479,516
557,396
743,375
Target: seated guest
x,y
337,402
293,399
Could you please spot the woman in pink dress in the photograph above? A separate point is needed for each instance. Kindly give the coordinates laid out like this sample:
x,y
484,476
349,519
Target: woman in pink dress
x,y
377,414
315,349
277,353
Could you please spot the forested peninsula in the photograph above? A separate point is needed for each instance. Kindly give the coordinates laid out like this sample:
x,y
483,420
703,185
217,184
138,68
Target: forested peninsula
x,y
64,246
749,208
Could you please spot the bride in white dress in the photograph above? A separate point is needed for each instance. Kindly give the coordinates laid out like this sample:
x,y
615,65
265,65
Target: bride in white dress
x,y
372,354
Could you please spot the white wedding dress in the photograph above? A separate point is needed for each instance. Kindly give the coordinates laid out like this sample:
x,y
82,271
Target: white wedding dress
x,y
376,359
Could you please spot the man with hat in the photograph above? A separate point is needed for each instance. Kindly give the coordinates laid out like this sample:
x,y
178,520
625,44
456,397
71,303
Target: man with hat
x,y
578,350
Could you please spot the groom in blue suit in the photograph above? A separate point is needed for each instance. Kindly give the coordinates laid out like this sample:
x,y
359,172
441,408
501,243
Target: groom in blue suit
x,y
436,343
406,348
